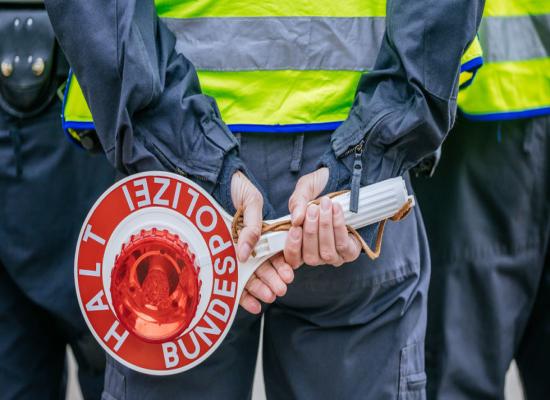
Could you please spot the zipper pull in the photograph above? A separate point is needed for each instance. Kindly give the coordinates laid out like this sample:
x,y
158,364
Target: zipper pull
x,y
356,177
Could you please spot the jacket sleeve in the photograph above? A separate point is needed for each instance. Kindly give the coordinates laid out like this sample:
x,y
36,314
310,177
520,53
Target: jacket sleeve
x,y
406,105
147,104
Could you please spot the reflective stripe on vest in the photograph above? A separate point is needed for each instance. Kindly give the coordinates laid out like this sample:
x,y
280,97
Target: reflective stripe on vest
x,y
277,65
515,79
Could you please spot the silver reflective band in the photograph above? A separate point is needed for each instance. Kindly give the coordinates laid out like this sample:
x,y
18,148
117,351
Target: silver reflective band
x,y
279,43
515,38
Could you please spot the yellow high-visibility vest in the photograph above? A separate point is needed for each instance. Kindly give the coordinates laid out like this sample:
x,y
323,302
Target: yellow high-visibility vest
x,y
515,79
273,65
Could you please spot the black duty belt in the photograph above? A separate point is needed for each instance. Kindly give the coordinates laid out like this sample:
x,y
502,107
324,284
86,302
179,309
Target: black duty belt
x,y
31,63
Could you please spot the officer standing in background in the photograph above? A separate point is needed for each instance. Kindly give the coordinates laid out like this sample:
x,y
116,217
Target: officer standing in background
x,y
46,186
487,213
285,74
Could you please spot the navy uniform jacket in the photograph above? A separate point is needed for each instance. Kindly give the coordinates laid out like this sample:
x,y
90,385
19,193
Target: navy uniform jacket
x,y
150,113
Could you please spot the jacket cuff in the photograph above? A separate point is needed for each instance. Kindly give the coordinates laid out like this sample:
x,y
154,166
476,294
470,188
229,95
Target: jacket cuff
x,y
222,190
339,175
380,161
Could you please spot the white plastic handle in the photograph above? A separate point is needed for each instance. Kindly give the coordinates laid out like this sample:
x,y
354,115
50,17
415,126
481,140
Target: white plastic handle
x,y
377,202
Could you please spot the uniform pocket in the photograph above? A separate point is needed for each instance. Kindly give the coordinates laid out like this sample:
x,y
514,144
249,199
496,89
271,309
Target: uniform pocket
x,y
412,377
115,382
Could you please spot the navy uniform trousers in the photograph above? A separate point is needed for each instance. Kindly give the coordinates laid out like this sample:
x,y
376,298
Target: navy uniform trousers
x,y
487,213
354,332
46,188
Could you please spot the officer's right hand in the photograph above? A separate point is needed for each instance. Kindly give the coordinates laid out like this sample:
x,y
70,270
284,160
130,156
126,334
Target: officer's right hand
x,y
271,279
319,234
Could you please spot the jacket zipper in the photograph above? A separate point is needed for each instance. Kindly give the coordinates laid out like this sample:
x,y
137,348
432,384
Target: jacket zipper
x,y
354,149
356,174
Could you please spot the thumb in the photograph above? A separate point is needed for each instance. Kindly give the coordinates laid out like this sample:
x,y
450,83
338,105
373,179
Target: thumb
x,y
307,188
244,194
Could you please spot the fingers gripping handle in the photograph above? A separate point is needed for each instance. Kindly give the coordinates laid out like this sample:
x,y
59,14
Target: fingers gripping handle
x,y
377,202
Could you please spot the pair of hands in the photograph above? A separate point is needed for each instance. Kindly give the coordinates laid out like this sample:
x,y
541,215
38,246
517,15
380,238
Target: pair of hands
x,y
318,236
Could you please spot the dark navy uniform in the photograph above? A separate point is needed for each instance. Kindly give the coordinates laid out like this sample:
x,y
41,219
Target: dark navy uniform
x,y
353,332
47,185
487,213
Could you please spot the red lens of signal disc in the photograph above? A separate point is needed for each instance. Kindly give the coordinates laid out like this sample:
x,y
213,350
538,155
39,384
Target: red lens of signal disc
x,y
155,285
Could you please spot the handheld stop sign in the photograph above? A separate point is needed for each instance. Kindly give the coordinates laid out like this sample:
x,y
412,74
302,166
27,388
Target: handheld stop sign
x,y
156,271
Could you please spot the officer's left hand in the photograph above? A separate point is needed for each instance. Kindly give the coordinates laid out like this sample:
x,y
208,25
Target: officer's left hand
x,y
319,234
270,280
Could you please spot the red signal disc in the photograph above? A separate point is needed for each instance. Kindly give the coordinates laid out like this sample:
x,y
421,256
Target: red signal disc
x,y
156,273
155,285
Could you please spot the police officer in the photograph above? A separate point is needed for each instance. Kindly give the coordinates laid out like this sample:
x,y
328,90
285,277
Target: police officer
x,y
46,185
487,212
283,74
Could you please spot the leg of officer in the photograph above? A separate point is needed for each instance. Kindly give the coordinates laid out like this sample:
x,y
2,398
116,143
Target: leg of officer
x,y
534,350
351,332
532,357
227,374
31,354
90,360
348,333
482,210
